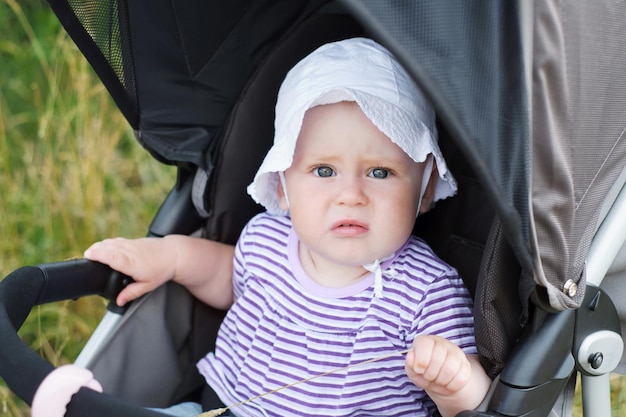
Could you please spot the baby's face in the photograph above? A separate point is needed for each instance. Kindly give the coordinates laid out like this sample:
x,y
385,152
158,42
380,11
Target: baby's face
x,y
353,194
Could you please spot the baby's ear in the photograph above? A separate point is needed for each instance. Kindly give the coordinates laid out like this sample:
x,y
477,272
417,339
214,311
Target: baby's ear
x,y
429,194
282,198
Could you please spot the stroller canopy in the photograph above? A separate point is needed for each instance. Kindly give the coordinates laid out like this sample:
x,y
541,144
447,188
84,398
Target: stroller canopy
x,y
529,91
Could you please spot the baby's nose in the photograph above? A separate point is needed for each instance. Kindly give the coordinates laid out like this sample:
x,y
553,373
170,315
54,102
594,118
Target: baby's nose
x,y
351,191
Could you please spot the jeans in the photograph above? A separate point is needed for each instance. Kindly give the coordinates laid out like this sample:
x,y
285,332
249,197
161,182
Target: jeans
x,y
189,409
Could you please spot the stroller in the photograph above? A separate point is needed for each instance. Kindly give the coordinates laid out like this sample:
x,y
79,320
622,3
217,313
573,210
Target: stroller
x,y
530,98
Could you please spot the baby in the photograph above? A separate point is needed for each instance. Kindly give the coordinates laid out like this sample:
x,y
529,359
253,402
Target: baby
x,y
330,274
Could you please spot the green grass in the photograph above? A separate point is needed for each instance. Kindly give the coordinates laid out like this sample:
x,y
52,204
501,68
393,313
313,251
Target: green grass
x,y
72,173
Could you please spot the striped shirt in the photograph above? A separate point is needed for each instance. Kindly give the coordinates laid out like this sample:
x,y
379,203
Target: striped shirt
x,y
284,328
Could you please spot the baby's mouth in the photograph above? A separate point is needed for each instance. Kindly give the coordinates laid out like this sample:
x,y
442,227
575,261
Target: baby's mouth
x,y
350,227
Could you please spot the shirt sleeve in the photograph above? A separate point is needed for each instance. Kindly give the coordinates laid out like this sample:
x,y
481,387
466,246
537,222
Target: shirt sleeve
x,y
446,310
239,264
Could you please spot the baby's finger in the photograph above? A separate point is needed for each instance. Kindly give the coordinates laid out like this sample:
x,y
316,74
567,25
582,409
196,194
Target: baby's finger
x,y
133,291
450,368
419,356
111,252
438,357
461,377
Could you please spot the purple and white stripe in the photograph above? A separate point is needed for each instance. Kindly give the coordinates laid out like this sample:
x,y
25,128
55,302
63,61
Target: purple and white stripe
x,y
277,333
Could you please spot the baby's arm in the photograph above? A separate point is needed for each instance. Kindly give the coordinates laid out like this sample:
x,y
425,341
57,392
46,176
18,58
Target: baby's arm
x,y
203,266
453,380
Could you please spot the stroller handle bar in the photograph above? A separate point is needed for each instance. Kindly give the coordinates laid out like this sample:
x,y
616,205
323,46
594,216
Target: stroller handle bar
x,y
22,368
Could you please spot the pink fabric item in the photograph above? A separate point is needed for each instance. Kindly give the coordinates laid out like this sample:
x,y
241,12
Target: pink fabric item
x,y
57,389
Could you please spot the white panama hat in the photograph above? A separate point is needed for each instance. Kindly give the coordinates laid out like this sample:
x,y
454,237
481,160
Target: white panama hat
x,y
359,70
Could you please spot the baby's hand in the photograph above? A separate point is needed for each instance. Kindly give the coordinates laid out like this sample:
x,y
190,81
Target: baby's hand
x,y
438,365
149,261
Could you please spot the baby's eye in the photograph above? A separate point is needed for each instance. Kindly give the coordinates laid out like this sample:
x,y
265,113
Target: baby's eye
x,y
379,173
324,171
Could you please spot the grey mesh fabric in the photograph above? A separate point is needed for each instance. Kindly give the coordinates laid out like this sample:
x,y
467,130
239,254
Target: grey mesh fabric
x,y
579,147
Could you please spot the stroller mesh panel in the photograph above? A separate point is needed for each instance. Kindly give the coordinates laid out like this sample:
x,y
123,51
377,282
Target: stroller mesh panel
x,y
104,28
101,30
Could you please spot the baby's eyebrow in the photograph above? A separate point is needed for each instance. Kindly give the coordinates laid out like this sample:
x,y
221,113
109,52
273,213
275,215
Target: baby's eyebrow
x,y
373,160
320,157
386,160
